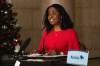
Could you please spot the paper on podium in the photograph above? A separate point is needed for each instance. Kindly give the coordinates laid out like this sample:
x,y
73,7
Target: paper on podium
x,y
45,57
77,58
34,55
40,55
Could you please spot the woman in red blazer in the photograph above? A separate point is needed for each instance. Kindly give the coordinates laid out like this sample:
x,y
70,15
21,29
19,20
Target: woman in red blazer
x,y
59,35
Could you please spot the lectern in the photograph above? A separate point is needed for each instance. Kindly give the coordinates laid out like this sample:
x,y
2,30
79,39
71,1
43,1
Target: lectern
x,y
25,60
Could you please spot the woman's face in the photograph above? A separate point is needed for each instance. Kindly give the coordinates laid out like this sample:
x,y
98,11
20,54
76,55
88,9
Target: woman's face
x,y
53,16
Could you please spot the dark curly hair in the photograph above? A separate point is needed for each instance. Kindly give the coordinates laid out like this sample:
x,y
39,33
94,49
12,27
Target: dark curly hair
x,y
65,21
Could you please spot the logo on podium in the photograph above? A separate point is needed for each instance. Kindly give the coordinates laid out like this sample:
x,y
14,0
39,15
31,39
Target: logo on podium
x,y
77,58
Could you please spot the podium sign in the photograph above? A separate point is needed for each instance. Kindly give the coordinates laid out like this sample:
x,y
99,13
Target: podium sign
x,y
77,58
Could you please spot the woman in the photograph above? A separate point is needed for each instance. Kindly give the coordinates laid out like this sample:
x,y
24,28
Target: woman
x,y
59,35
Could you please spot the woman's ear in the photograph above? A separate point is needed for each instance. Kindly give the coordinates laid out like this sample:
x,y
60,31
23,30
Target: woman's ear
x,y
61,16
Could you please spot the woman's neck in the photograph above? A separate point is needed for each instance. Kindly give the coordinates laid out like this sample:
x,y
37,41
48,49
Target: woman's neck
x,y
57,28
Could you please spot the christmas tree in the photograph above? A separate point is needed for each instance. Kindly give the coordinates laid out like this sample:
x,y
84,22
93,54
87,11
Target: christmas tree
x,y
9,29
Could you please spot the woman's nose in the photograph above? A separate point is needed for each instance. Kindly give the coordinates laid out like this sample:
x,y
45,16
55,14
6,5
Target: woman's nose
x,y
50,16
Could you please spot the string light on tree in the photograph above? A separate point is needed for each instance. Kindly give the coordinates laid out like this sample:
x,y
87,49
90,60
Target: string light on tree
x,y
9,1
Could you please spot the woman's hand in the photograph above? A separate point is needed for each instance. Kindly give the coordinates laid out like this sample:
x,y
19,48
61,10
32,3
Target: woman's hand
x,y
51,52
33,51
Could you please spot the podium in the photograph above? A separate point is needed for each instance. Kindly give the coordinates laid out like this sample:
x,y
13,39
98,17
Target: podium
x,y
55,60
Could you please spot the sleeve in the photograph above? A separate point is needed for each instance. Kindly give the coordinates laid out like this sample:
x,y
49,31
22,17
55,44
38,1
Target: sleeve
x,y
41,44
73,42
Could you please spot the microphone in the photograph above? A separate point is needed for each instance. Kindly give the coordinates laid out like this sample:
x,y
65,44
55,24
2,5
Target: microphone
x,y
24,45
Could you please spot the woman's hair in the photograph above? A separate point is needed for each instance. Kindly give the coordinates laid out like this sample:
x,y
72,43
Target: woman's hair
x,y
65,20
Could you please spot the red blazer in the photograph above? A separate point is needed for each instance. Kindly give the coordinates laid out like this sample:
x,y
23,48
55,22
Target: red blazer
x,y
60,41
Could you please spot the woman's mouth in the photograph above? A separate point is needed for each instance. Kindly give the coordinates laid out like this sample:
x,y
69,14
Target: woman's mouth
x,y
51,20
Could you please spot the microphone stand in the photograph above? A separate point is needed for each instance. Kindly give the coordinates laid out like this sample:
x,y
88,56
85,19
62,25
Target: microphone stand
x,y
19,55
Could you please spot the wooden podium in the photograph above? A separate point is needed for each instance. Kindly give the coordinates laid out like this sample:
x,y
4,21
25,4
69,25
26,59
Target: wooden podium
x,y
55,60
